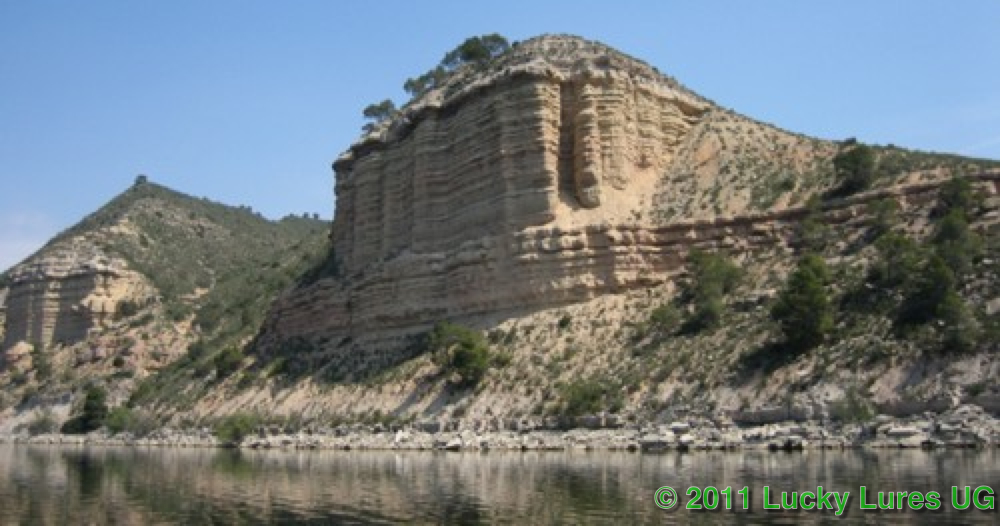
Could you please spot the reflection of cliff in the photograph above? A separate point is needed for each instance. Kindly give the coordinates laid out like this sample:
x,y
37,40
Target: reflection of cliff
x,y
135,486
71,289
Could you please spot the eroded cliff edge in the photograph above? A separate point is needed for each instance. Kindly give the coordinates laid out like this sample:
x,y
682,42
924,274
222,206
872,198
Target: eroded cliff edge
x,y
531,183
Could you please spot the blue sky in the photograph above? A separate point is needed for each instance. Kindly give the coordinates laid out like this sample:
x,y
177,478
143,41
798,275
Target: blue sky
x,y
248,102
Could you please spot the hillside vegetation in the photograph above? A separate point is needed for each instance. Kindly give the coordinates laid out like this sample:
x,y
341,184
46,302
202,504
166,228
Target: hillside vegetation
x,y
215,269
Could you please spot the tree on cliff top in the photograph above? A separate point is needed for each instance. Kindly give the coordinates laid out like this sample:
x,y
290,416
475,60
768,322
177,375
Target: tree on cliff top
x,y
477,50
377,113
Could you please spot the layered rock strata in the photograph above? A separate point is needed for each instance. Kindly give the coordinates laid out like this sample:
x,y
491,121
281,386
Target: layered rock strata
x,y
523,185
469,216
58,297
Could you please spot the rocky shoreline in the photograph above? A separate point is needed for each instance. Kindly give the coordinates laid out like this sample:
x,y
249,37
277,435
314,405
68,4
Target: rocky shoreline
x,y
967,426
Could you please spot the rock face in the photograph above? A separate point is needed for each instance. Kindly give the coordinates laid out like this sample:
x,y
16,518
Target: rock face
x,y
516,187
529,184
69,290
501,189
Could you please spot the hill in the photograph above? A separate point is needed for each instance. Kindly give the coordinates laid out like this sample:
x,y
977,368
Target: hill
x,y
127,290
550,234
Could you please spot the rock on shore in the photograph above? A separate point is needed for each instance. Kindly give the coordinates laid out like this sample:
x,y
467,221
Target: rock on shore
x,y
967,426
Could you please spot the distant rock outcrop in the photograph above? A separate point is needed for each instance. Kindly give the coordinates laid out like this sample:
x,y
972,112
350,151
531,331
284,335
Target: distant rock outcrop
x,y
72,288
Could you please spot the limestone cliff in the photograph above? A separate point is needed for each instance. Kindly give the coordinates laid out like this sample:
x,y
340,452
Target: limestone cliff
x,y
561,171
71,289
530,183
131,287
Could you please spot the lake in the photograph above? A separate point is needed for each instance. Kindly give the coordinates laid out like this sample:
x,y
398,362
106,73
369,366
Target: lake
x,y
98,485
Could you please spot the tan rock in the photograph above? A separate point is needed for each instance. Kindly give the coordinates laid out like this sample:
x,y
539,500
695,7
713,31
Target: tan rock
x,y
68,290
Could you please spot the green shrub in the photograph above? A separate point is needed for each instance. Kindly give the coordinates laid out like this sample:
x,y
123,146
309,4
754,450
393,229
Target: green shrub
x,y
461,351
581,397
852,408
123,419
590,396
712,277
664,319
95,412
957,245
958,195
233,428
42,365
227,361
899,260
803,308
855,168
924,295
960,328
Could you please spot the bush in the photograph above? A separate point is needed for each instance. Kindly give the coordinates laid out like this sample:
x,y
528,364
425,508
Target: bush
x,y
95,412
852,408
961,330
461,351
955,243
899,260
590,396
42,365
581,397
664,319
803,308
233,428
925,294
957,195
227,362
713,276
123,419
855,168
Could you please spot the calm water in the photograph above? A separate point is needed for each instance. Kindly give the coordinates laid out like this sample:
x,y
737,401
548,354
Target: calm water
x,y
60,485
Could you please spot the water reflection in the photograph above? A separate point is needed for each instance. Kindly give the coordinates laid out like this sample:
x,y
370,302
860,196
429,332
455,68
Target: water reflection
x,y
59,485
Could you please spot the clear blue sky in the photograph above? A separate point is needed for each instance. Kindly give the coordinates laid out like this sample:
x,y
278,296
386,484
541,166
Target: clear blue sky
x,y
248,102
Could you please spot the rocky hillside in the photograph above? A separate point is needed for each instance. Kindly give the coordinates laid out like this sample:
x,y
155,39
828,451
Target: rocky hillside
x,y
131,287
558,172
555,231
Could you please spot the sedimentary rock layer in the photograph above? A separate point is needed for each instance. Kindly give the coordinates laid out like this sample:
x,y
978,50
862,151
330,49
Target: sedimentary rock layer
x,y
534,268
533,182
60,296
